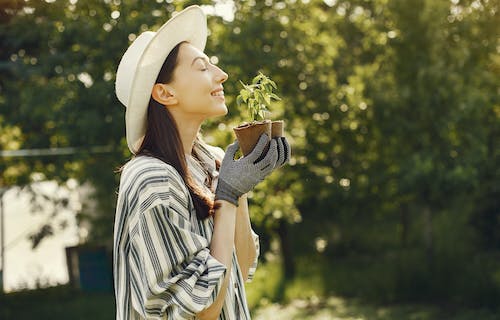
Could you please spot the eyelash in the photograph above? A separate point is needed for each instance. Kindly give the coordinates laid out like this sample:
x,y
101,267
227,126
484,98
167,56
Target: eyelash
x,y
205,67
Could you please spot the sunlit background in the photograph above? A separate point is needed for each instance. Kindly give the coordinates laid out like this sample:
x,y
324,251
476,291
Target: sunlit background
x,y
25,267
388,209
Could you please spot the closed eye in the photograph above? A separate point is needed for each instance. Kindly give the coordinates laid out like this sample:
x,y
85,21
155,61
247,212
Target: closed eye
x,y
203,66
203,62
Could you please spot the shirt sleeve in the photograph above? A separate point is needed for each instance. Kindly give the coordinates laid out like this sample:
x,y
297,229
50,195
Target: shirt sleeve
x,y
172,272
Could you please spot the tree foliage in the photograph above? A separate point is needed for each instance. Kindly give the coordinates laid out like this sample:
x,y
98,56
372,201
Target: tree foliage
x,y
392,109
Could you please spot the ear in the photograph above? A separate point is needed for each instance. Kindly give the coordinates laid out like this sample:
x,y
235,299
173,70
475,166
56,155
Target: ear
x,y
164,94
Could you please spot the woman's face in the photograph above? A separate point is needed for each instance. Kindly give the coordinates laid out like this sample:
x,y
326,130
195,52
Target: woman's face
x,y
197,84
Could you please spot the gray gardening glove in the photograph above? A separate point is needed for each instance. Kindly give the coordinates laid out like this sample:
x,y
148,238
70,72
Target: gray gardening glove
x,y
237,177
284,152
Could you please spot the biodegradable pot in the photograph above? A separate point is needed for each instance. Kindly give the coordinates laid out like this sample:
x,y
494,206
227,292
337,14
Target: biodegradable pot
x,y
277,129
248,134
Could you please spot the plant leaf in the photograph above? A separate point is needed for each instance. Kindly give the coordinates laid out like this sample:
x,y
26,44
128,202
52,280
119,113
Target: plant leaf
x,y
244,95
262,114
239,100
260,97
273,84
274,96
267,98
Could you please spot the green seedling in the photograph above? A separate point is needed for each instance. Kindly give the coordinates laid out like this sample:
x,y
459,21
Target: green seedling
x,y
258,96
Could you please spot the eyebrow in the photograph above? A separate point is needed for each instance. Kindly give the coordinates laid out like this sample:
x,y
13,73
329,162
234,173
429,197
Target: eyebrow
x,y
205,59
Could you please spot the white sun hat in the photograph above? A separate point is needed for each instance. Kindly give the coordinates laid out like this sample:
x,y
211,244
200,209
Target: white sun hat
x,y
141,63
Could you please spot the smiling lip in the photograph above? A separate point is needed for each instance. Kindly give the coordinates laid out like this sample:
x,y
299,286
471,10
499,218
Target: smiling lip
x,y
218,93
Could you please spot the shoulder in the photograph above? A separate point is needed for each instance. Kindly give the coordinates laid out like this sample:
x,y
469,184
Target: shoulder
x,y
145,174
145,167
216,152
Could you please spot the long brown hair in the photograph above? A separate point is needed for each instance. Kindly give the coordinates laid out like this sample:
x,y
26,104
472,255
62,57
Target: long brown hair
x,y
162,140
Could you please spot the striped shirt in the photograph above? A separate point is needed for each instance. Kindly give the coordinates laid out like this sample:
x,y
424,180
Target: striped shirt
x,y
162,264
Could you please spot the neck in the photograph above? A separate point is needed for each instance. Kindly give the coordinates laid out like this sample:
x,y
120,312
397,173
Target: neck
x,y
188,127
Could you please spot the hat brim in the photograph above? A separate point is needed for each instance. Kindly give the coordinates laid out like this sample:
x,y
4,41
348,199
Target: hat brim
x,y
189,25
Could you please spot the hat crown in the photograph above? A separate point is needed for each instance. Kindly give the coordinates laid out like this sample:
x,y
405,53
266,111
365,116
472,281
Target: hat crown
x,y
127,68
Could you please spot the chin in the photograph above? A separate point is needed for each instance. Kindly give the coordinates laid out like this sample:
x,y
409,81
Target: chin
x,y
222,111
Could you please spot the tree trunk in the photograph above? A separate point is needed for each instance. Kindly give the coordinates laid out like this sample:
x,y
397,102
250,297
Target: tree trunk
x,y
405,225
428,235
286,250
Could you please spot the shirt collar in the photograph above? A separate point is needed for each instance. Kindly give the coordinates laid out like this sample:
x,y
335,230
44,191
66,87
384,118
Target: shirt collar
x,y
206,158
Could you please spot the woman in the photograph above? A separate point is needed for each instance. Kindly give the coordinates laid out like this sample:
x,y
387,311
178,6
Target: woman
x,y
183,244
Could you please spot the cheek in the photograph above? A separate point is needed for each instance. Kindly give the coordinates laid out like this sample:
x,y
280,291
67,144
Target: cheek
x,y
195,98
193,89
195,85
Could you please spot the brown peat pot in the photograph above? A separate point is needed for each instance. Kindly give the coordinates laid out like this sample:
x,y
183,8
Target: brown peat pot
x,y
248,134
277,129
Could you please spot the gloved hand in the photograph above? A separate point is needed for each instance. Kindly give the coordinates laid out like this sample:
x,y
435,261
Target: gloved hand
x,y
237,177
284,152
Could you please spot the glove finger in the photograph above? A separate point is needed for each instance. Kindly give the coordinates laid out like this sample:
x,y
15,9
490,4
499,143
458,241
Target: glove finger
x,y
267,172
259,148
270,158
281,152
288,150
231,151
275,157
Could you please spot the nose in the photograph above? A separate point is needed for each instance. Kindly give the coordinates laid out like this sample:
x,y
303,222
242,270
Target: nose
x,y
221,76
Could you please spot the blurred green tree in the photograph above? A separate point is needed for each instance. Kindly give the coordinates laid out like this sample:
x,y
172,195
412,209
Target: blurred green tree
x,y
392,109
57,90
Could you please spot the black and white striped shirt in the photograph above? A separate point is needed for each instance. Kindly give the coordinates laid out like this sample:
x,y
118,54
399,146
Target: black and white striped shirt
x,y
161,260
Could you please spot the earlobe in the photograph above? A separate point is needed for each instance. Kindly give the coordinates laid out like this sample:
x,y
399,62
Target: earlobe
x,y
164,94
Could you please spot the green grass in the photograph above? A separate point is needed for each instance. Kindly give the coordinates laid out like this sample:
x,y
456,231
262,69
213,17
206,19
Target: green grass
x,y
337,308
57,303
311,295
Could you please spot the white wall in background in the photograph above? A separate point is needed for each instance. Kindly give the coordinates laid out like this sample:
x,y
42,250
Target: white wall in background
x,y
45,265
